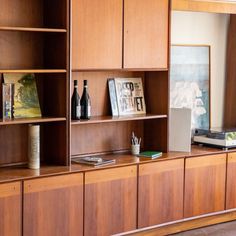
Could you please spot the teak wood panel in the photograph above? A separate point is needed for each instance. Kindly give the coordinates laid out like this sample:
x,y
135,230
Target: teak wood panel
x,y
160,192
230,87
204,6
104,137
204,185
54,206
97,34
98,88
231,187
10,209
110,201
146,33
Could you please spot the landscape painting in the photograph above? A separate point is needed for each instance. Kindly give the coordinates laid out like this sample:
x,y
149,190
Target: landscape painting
x,y
26,102
190,82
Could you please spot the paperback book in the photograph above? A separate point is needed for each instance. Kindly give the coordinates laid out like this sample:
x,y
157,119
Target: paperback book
x,y
126,96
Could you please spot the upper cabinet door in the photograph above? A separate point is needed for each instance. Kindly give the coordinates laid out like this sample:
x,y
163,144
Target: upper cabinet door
x,y
97,34
146,34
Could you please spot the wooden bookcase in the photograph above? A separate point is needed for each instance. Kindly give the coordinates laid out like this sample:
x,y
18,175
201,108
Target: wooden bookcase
x,y
34,38
97,56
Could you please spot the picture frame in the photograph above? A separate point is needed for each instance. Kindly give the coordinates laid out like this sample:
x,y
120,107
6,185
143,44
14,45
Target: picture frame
x,y
190,82
127,96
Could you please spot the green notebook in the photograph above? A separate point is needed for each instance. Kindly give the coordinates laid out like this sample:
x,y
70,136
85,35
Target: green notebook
x,y
150,154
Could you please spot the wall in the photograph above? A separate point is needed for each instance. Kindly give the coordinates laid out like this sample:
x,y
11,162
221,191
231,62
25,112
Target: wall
x,y
210,29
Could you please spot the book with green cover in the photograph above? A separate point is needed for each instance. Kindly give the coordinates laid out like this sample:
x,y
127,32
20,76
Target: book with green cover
x,y
150,154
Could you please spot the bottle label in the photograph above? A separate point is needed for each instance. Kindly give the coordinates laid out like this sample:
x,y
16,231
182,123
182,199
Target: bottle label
x,y
78,111
85,111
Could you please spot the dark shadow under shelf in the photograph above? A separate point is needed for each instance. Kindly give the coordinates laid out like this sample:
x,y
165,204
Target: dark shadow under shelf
x,y
108,119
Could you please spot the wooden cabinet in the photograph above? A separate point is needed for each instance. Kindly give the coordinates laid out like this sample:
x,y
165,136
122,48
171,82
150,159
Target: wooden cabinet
x,y
160,192
97,34
231,186
110,201
10,209
146,37
54,206
204,185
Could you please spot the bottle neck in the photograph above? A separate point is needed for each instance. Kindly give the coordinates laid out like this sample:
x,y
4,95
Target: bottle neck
x,y
75,87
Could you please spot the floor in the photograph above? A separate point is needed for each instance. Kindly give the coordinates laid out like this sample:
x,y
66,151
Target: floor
x,y
224,229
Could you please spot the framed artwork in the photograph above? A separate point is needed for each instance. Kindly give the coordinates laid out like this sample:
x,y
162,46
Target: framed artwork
x,y
26,102
127,96
190,82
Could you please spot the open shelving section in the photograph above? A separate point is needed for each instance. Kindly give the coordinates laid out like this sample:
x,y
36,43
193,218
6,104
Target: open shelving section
x,y
107,43
34,38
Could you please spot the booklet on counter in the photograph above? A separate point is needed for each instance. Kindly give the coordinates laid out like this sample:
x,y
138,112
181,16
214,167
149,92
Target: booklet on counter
x,y
94,161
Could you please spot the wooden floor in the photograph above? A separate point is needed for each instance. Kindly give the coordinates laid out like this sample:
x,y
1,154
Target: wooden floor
x,y
224,229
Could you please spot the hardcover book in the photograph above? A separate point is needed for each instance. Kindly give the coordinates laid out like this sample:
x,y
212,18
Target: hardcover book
x,y
150,154
26,102
127,96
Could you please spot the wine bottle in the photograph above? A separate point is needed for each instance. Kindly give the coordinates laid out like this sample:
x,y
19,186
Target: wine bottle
x,y
85,103
75,103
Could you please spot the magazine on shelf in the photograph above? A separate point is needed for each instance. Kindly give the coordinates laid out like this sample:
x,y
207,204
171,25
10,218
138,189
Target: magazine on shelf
x,y
126,96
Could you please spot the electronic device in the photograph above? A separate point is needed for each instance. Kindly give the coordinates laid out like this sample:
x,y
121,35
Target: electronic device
x,y
218,137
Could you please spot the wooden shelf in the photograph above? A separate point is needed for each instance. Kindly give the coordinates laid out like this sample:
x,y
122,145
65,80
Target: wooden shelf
x,y
120,70
36,71
31,120
108,119
30,29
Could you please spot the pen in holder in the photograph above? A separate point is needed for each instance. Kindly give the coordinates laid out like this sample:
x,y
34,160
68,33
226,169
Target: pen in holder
x,y
135,144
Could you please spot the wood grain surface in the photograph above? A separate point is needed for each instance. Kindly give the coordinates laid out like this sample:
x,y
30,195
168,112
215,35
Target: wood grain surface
x,y
110,201
161,187
205,179
146,33
54,206
10,209
97,34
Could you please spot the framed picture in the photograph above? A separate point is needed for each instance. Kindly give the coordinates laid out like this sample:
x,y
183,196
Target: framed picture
x,y
190,82
127,96
26,102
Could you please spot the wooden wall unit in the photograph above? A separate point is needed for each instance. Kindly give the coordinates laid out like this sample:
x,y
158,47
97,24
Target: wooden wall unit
x,y
160,192
110,201
205,179
146,30
54,206
10,209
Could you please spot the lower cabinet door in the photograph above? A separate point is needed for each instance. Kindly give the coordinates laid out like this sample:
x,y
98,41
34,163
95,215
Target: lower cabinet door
x,y
110,201
204,185
54,206
231,186
160,192
10,209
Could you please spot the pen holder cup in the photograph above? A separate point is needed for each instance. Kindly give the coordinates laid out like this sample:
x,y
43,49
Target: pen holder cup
x,y
135,149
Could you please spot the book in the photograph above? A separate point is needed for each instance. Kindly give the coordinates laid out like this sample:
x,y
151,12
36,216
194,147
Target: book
x,y
94,161
26,102
126,96
150,154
